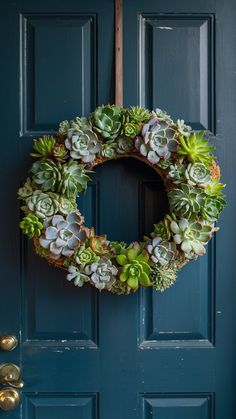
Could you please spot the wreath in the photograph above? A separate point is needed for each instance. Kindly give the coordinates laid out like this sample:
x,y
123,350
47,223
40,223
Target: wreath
x,y
184,160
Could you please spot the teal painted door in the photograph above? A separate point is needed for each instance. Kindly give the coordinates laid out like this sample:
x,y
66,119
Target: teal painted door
x,y
98,356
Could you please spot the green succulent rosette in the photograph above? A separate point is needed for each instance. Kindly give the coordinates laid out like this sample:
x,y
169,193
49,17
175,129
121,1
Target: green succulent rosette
x,y
183,158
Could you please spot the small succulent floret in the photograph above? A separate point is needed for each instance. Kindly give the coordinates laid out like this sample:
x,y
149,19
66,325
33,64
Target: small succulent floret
x,y
177,173
138,115
131,129
186,201
74,179
191,236
63,235
158,140
135,269
120,288
107,121
109,150
102,273
212,207
26,190
183,129
161,251
124,145
197,174
31,226
214,188
43,147
162,229
85,256
76,124
163,277
75,275
83,145
196,148
59,152
47,174
99,245
162,115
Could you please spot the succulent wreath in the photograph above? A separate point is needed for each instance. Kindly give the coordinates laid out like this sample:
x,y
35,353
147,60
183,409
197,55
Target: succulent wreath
x,y
182,157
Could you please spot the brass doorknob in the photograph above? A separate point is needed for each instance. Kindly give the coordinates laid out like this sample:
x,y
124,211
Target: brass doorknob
x,y
8,342
9,398
10,374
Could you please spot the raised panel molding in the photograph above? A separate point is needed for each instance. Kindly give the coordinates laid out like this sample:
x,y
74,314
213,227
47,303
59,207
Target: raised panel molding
x,y
166,322
56,87
180,49
72,320
60,406
179,406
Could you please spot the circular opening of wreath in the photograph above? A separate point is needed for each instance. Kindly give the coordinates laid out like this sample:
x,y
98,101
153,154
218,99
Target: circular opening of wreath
x,y
184,160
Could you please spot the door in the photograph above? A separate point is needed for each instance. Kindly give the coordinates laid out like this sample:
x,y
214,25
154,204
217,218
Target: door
x,y
88,355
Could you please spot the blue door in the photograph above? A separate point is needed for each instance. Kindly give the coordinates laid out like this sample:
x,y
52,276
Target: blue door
x,y
100,356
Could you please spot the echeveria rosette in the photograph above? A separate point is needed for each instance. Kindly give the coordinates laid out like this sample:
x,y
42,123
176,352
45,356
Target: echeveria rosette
x,y
74,179
75,124
157,142
43,204
102,274
124,145
107,121
183,129
82,145
47,174
135,267
191,236
161,251
186,201
85,256
212,207
177,173
197,174
31,226
109,150
162,229
63,235
75,275
138,115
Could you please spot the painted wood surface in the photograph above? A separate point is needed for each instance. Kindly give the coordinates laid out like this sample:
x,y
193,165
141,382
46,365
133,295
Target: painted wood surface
x,y
149,355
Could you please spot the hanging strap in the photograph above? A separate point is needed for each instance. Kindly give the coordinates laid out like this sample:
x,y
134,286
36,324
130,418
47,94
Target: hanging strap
x,y
118,53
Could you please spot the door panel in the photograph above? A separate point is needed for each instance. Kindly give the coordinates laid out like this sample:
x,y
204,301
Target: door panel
x,y
90,355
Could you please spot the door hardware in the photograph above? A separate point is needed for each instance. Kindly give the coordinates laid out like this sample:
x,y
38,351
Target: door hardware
x,y
9,398
10,374
8,342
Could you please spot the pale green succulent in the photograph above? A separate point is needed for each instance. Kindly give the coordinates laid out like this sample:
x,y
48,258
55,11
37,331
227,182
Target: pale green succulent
x,y
120,288
177,173
59,152
161,251
163,277
183,129
212,206
47,174
102,273
85,256
43,204
75,275
26,190
162,115
191,236
74,179
135,269
124,145
66,206
109,150
131,129
162,229
138,115
107,121
214,188
31,226
197,174
186,202
63,235
158,140
196,148
76,124
83,145
43,146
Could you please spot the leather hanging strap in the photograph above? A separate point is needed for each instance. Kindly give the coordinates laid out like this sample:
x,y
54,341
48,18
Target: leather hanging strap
x,y
118,53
